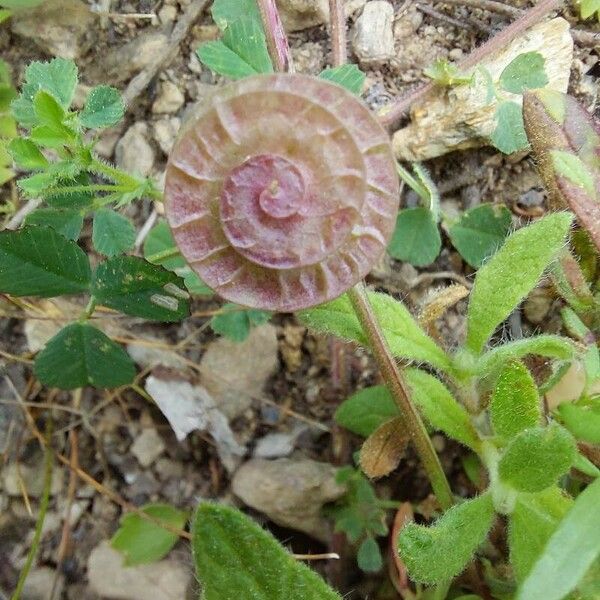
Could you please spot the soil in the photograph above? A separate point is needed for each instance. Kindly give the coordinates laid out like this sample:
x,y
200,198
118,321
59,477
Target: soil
x,y
313,375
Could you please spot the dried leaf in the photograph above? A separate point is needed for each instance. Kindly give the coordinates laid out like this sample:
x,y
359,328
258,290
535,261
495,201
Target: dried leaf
x,y
382,451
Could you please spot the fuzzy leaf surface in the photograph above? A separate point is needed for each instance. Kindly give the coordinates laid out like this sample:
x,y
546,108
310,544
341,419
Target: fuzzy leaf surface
x,y
440,552
496,292
515,404
348,76
537,457
366,410
403,333
38,261
235,558
27,155
480,232
80,355
142,541
525,72
112,233
139,288
104,107
416,238
570,552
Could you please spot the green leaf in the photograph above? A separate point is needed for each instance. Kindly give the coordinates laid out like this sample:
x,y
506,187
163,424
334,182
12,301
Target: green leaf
x,y
366,410
535,458
369,556
446,74
438,553
440,408
235,558
80,355
22,106
588,7
570,166
525,72
416,238
27,155
241,52
37,261
47,137
569,553
72,200
67,222
51,115
403,333
4,15
348,76
139,288
18,4
104,107
531,524
35,185
509,135
112,233
515,404
235,322
225,12
497,291
582,421
57,77
141,541
480,231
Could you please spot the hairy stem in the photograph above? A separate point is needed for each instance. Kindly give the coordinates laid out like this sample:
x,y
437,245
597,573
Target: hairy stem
x,y
401,394
277,41
389,115
48,464
337,18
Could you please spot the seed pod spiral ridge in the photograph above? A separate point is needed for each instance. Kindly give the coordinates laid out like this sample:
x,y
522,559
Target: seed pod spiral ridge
x,y
281,191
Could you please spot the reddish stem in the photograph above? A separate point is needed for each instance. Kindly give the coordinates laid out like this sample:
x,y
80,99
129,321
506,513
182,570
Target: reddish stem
x,y
337,18
393,113
277,41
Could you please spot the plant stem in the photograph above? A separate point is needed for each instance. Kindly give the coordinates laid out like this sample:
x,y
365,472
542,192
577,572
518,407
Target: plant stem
x,y
337,18
389,115
400,391
48,461
277,42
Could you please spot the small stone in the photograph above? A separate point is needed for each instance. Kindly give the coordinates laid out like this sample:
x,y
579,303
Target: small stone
x,y
133,153
165,132
170,99
302,14
291,492
167,14
373,40
236,372
111,579
276,445
59,27
147,447
31,478
353,6
309,58
455,54
40,581
153,356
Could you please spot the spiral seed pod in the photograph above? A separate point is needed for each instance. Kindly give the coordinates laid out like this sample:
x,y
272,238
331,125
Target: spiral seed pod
x,y
282,192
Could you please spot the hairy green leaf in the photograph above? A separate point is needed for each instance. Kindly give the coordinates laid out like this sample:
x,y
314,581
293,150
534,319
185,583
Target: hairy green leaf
x,y
582,421
235,558
404,335
38,261
112,233
535,458
225,12
27,155
416,238
440,552
104,107
440,408
531,524
80,355
71,200
366,410
509,135
142,541
525,72
348,76
515,404
497,291
235,322
569,553
369,556
480,231
570,166
139,288
67,222
241,52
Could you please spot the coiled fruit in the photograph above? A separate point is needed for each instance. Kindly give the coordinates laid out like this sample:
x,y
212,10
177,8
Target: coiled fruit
x,y
281,191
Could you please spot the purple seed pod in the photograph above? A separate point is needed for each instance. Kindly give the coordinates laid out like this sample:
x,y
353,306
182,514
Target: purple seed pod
x,y
282,191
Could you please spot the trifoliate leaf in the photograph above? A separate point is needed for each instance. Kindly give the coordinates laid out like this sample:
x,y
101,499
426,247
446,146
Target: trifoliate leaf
x,y
67,222
416,238
57,77
80,355
104,107
112,233
142,541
